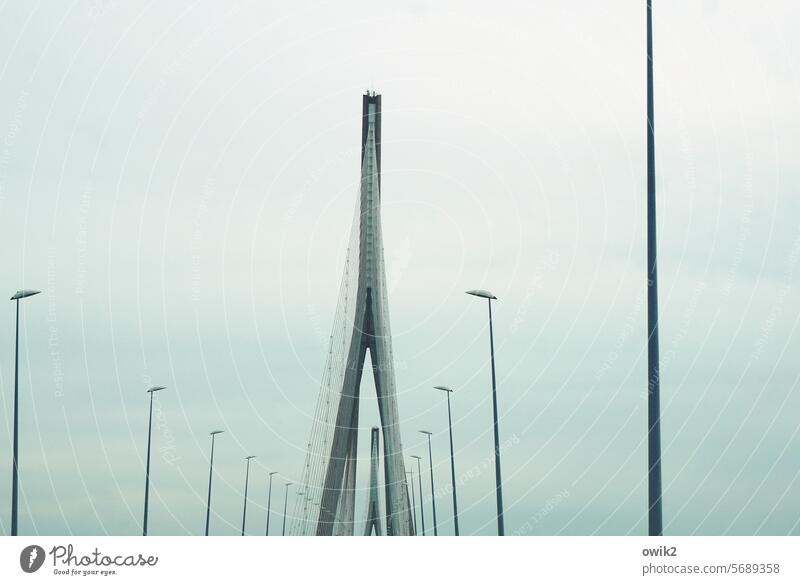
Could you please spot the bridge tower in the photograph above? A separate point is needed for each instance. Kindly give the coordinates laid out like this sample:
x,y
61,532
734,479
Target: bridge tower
x,y
367,330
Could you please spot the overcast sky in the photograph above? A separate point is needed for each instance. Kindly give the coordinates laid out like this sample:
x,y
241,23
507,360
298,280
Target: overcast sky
x,y
179,179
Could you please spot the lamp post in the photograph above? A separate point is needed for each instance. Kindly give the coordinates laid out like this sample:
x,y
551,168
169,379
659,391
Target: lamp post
x,y
285,502
297,495
421,499
413,500
246,482
306,509
449,391
433,491
653,372
485,294
19,295
269,499
210,475
151,391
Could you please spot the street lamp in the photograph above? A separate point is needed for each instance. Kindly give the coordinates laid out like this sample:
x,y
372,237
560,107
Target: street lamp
x,y
246,481
269,499
285,502
210,475
152,391
297,495
421,499
305,512
449,391
413,500
20,294
433,491
485,294
653,368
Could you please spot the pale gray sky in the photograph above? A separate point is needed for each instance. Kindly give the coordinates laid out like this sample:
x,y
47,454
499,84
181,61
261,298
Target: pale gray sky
x,y
179,178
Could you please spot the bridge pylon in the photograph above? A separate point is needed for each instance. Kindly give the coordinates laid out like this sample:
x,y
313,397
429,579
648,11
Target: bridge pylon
x,y
366,318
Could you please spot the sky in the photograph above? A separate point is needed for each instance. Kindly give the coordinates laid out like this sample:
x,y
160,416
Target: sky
x,y
179,180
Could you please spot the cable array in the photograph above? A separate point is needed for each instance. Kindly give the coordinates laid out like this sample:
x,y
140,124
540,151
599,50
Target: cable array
x,y
306,507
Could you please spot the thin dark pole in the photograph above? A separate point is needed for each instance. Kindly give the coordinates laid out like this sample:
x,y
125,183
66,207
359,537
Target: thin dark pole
x,y
414,501
306,509
246,483
452,465
20,294
653,373
14,456
210,475
269,500
433,490
421,498
500,525
285,503
147,470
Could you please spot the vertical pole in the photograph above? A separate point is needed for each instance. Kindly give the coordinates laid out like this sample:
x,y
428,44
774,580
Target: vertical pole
x,y
15,455
653,373
210,472
433,491
306,509
421,499
414,503
452,465
269,501
147,469
500,525
246,482
285,502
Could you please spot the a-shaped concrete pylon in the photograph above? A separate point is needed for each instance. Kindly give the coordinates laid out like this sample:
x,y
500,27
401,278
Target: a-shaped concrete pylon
x,y
370,331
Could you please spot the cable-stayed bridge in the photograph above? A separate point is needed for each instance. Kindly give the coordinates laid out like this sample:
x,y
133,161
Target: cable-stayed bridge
x,y
326,496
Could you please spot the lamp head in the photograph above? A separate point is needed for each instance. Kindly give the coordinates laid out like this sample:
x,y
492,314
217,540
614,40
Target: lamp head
x,y
443,388
21,294
216,432
249,457
484,294
426,433
156,389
